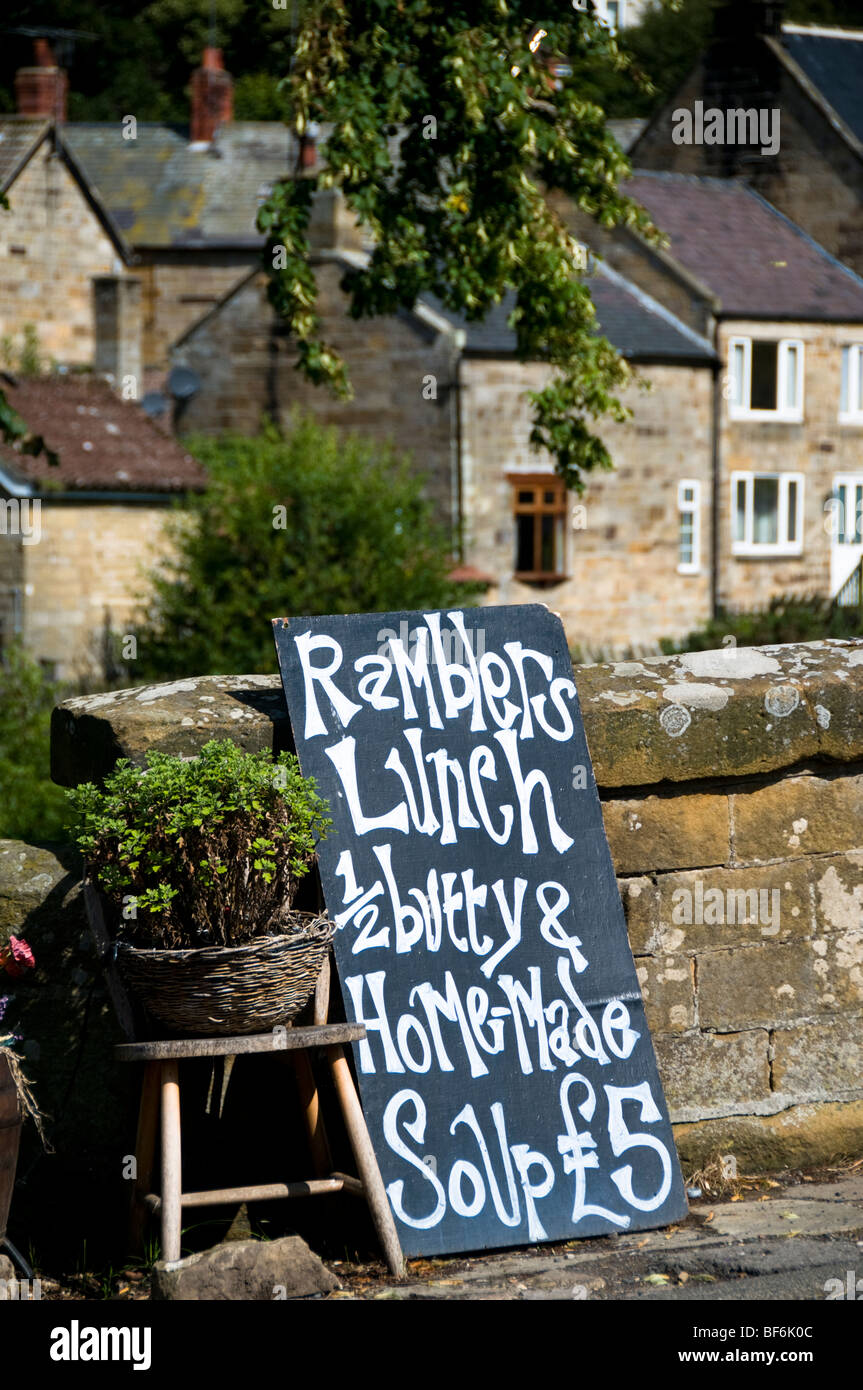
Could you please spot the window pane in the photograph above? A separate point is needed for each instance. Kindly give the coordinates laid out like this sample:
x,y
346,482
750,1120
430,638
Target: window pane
x,y
763,396
549,498
524,544
845,395
791,356
547,545
737,364
858,516
765,511
526,496
842,527
687,533
792,511
740,512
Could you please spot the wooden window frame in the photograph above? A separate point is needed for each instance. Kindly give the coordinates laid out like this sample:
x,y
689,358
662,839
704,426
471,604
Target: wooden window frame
x,y
540,482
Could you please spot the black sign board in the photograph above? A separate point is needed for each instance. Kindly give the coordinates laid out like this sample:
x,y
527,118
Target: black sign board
x,y
508,1077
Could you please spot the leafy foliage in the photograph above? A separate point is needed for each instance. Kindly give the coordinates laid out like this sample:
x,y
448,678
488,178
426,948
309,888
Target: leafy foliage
x,y
786,619
31,806
358,536
460,211
203,851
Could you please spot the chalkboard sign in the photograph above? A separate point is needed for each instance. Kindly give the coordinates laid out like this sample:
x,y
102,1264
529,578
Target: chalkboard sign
x,y
508,1077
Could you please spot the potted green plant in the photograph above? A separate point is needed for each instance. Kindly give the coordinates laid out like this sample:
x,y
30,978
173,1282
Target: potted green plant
x,y
200,860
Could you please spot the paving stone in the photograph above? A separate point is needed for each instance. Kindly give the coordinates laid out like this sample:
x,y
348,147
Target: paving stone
x,y
755,1219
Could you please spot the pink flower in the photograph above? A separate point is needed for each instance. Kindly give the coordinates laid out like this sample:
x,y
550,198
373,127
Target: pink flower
x,y
16,957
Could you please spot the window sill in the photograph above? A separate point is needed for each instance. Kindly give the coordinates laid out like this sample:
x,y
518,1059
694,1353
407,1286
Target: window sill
x,y
758,552
849,419
766,417
689,569
541,580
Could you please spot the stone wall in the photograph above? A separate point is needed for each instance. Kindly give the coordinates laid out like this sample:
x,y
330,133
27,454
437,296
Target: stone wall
x,y
248,369
739,771
51,245
91,564
819,448
621,538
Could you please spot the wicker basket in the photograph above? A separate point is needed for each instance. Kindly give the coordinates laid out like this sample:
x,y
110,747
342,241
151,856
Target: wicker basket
x,y
213,991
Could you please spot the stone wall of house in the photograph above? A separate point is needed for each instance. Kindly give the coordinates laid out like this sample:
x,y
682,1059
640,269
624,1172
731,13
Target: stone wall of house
x,y
178,290
247,366
819,448
732,789
91,561
623,590
51,245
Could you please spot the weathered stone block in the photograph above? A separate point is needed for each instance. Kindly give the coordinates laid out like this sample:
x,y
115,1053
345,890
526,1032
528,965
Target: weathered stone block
x,y
724,713
245,1270
818,1059
714,1072
640,900
660,832
89,733
711,909
766,985
667,988
798,815
837,887
798,1137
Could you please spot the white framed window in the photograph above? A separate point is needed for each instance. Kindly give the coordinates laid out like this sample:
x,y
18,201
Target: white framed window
x,y
767,513
688,526
851,392
766,378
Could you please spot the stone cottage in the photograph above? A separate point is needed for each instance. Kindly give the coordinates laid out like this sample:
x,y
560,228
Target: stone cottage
x,y
174,208
785,320
77,538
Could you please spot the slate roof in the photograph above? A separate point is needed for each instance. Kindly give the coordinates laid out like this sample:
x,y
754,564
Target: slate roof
x,y
757,262
163,192
640,328
19,137
104,444
833,62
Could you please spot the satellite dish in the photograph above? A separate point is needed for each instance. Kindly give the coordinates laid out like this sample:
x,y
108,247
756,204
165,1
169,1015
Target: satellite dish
x,y
183,384
155,404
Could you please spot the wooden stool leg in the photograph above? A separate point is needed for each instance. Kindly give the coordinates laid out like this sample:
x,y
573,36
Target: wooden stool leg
x,y
171,1162
367,1164
308,1088
145,1151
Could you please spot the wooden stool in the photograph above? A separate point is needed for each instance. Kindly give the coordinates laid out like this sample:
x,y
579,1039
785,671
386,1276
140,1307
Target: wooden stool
x,y
160,1101
161,1092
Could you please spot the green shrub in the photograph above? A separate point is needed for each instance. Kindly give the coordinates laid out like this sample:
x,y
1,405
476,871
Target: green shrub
x,y
200,851
785,619
307,522
31,806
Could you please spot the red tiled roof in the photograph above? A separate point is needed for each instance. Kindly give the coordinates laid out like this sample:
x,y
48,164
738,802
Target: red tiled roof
x,y
104,444
747,253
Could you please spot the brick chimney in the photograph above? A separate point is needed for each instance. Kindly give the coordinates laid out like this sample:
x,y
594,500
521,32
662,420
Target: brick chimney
x,y
40,91
212,97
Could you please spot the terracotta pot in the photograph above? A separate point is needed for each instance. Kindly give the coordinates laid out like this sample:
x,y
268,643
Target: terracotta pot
x,y
10,1134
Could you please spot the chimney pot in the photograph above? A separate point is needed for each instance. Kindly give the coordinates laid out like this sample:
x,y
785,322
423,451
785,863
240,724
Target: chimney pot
x,y
212,97
41,91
